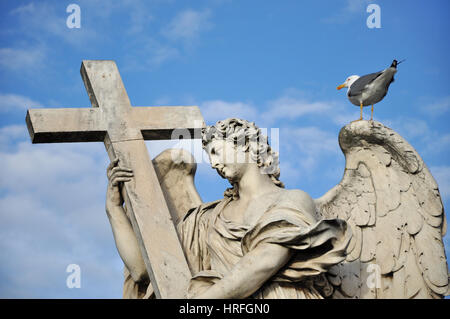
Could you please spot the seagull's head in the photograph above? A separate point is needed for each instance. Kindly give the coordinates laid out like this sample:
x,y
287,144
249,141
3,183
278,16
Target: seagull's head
x,y
348,82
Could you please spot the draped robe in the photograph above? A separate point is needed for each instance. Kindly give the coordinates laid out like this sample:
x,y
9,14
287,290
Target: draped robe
x,y
213,245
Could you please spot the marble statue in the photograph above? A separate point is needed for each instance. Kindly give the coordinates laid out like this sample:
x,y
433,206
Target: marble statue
x,y
377,234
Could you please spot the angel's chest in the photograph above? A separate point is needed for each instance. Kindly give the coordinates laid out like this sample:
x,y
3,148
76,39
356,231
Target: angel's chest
x,y
247,213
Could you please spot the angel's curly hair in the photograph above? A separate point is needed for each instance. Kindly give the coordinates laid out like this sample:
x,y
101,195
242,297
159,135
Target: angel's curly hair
x,y
248,135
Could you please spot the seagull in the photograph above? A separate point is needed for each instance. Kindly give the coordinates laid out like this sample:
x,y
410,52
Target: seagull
x,y
371,88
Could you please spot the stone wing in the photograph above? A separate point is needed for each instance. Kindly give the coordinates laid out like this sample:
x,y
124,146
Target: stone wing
x,y
392,204
176,170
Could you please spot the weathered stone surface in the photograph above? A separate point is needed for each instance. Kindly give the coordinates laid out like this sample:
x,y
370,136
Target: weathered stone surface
x,y
123,129
89,124
401,236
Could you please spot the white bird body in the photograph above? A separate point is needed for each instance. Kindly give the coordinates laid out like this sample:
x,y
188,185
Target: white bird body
x,y
374,91
371,88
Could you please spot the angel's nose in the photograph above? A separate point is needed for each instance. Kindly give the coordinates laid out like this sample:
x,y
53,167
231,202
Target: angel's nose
x,y
214,163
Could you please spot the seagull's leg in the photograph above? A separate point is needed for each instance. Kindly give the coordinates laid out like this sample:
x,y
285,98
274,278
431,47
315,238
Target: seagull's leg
x,y
371,117
360,114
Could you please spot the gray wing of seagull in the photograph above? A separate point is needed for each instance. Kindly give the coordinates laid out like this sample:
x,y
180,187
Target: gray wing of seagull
x,y
371,88
359,85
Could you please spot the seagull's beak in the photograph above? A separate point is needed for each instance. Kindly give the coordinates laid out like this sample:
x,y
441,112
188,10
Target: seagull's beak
x,y
341,86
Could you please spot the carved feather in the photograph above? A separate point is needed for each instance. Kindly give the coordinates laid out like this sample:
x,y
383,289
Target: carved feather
x,y
392,204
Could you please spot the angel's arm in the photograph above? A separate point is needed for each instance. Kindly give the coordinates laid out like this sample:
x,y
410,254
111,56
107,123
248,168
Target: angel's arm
x,y
250,273
127,244
124,236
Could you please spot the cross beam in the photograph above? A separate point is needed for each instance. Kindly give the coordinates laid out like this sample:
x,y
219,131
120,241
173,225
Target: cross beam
x,y
123,129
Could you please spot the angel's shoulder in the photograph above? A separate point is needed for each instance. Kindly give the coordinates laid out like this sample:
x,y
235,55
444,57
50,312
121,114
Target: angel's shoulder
x,y
296,198
284,204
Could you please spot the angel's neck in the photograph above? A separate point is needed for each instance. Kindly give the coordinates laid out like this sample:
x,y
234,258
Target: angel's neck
x,y
254,184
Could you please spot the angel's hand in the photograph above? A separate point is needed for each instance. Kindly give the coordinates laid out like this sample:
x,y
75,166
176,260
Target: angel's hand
x,y
116,177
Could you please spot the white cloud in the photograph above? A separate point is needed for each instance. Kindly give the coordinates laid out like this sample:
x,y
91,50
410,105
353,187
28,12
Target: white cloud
x,y
356,5
441,142
24,9
169,42
313,139
147,45
12,131
290,173
288,107
13,102
160,53
146,53
40,241
18,59
412,128
140,13
38,21
347,11
427,140
140,16
52,214
11,134
294,104
439,107
308,145
187,25
216,110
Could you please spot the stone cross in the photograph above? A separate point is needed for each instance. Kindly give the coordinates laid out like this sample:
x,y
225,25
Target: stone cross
x,y
123,130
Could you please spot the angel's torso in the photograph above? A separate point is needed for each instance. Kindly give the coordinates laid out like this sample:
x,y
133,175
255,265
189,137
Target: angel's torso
x,y
224,238
230,220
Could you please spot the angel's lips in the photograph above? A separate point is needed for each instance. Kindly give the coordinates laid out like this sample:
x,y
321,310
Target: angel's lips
x,y
220,171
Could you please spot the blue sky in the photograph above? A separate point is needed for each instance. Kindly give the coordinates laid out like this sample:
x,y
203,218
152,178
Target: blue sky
x,y
274,62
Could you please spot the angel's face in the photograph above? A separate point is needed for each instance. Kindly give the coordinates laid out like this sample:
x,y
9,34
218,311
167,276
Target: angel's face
x,y
230,160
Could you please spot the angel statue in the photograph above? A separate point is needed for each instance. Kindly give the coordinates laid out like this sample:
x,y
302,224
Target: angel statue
x,y
377,234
